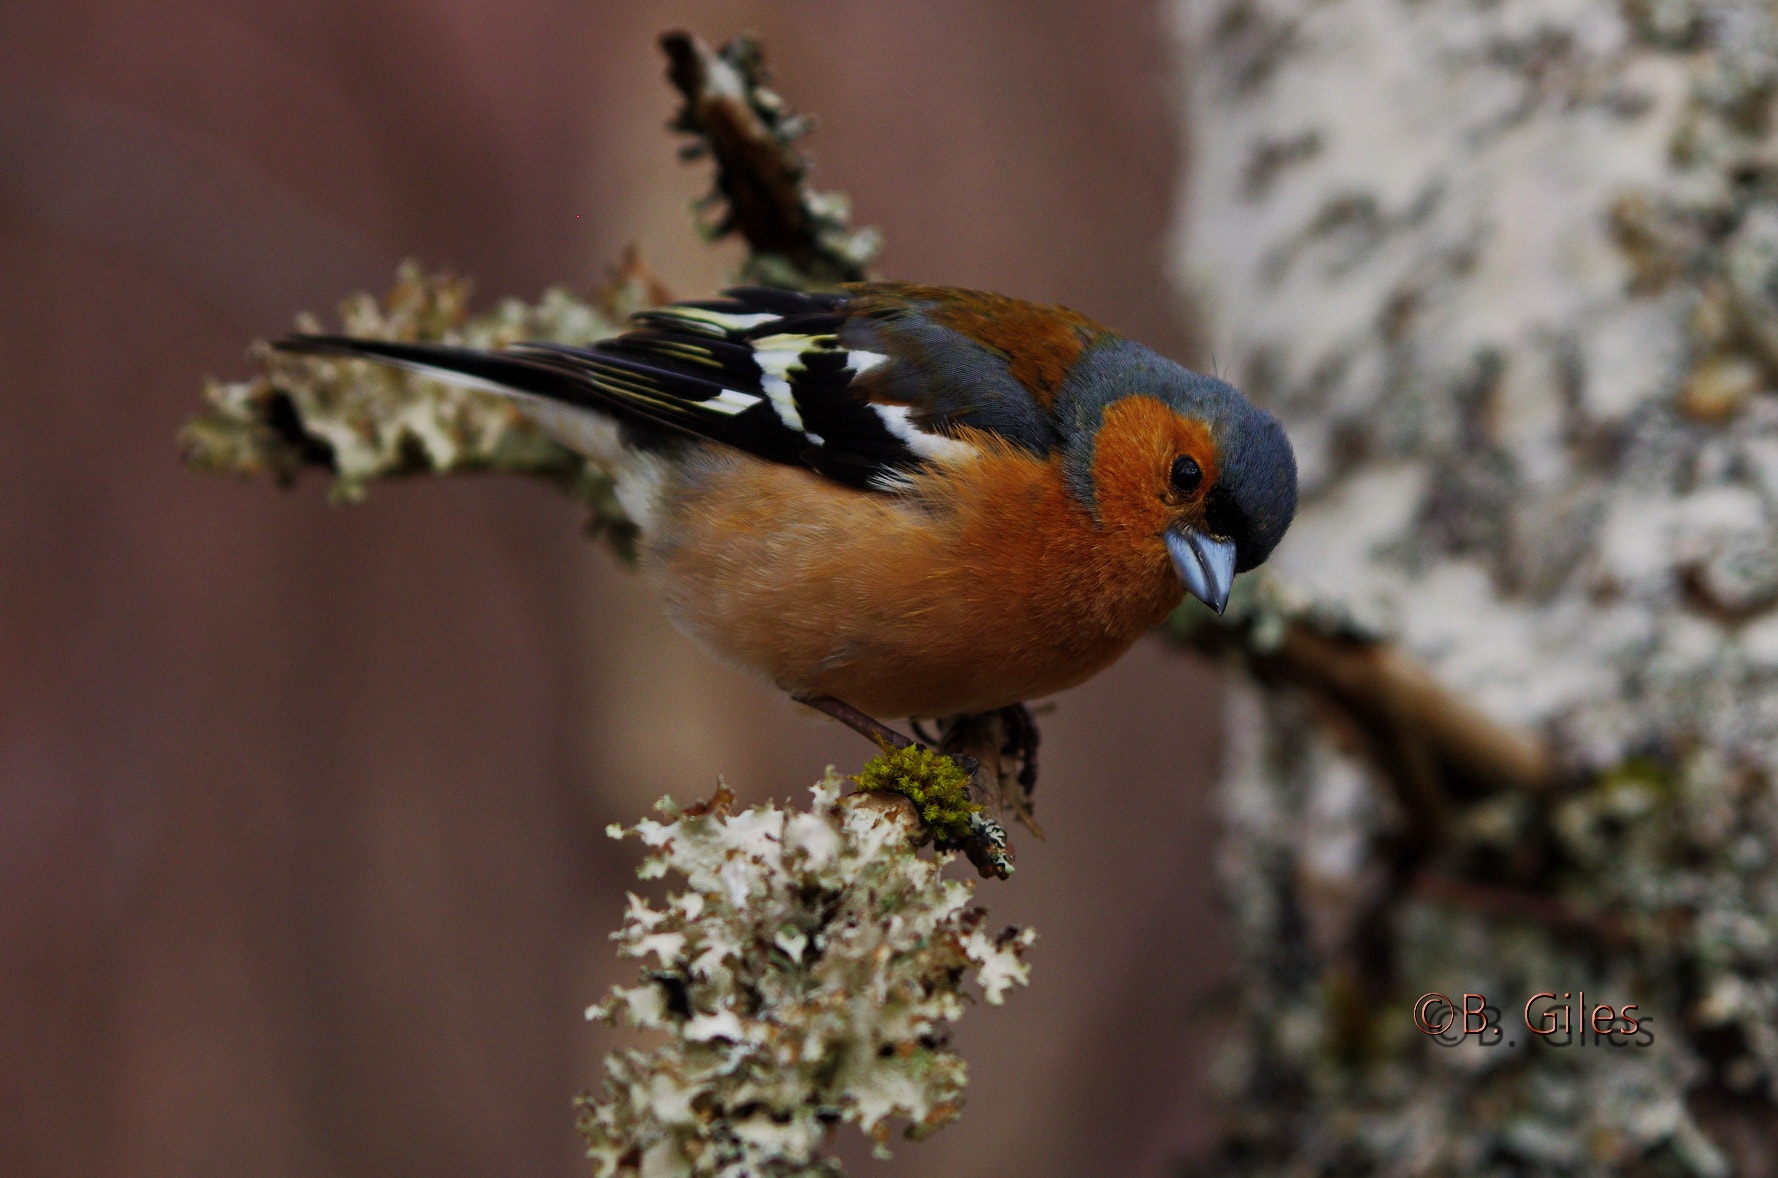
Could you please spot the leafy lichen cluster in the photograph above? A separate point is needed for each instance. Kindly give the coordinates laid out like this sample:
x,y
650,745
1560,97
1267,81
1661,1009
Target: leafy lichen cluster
x,y
365,421
936,785
806,976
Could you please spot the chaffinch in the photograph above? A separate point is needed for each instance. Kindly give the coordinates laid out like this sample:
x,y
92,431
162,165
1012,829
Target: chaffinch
x,y
921,500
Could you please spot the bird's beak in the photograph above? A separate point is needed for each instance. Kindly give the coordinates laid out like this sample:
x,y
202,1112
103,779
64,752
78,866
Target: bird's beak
x,y
1206,564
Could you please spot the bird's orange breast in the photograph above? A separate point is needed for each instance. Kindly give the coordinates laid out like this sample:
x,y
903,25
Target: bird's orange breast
x,y
986,586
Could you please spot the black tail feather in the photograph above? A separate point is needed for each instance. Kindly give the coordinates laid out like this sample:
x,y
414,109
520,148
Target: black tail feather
x,y
496,371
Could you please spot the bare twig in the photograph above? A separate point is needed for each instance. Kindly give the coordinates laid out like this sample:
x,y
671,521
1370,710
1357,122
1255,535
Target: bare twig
x,y
856,720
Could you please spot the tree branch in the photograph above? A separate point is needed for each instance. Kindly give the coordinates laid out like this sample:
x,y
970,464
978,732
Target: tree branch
x,y
795,237
1432,746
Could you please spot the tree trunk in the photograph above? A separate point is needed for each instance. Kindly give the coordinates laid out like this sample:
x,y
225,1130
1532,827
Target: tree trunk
x,y
1509,274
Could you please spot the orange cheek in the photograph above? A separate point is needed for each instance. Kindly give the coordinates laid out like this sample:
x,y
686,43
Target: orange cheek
x,y
1132,459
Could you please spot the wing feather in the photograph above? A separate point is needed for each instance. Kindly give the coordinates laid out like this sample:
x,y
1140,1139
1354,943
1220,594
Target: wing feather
x,y
761,370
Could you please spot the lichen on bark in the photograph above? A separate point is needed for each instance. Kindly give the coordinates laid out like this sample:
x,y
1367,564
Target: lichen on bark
x,y
1506,271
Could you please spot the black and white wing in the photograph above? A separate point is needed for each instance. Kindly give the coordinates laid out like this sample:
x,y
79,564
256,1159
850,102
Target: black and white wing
x,y
761,370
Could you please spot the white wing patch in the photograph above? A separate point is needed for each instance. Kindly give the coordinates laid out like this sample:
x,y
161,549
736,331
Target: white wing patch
x,y
730,402
898,420
862,362
778,357
775,368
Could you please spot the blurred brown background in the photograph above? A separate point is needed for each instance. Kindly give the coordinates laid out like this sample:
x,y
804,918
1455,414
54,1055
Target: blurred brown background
x,y
301,863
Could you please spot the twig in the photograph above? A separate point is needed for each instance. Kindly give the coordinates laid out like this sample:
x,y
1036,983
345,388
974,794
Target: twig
x,y
1431,745
856,720
1519,904
795,237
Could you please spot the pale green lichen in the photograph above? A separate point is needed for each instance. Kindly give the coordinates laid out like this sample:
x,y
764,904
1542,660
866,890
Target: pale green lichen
x,y
806,977
366,421
936,785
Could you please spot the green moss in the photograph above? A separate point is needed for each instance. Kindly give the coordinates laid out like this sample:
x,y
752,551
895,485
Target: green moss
x,y
937,785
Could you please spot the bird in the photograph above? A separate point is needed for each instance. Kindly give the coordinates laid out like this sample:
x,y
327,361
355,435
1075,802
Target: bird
x,y
921,501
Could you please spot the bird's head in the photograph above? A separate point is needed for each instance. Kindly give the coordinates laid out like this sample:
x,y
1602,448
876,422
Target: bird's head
x,y
1180,460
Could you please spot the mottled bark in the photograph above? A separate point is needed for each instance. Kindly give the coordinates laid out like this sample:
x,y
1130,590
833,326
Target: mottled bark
x,y
1508,272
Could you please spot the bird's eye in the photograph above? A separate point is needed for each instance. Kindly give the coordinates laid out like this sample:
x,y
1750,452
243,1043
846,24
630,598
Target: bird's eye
x,y
1186,475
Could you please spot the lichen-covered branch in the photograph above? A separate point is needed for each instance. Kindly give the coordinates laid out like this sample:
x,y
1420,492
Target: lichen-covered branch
x,y
807,977
796,237
363,421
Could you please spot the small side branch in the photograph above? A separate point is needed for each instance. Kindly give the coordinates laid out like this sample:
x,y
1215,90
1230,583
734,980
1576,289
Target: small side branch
x,y
1432,746
856,720
1511,903
1399,702
795,237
